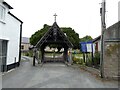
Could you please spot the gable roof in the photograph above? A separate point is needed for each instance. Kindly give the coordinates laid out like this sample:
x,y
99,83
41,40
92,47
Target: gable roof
x,y
97,38
50,38
6,4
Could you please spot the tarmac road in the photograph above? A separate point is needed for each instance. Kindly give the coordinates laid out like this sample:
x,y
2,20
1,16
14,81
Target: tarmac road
x,y
52,75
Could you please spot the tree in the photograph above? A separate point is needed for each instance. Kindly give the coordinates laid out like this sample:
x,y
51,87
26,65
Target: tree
x,y
71,34
38,34
86,38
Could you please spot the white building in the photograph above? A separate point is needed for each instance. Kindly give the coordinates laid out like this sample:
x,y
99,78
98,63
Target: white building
x,y
97,44
10,38
25,44
119,11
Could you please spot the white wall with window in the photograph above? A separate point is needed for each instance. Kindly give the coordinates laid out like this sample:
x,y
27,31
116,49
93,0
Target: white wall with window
x,y
3,12
10,32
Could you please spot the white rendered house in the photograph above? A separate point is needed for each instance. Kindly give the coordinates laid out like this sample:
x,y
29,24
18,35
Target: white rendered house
x,y
25,44
97,44
10,38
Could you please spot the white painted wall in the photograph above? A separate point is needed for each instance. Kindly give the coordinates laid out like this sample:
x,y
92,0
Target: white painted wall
x,y
99,45
1,1
10,30
119,11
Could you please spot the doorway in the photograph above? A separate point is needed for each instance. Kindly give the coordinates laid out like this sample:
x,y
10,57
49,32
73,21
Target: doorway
x,y
3,55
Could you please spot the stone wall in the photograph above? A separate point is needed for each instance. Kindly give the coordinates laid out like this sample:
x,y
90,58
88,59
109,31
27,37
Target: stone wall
x,y
111,51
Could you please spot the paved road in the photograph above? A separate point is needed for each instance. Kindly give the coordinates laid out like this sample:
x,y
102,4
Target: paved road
x,y
52,75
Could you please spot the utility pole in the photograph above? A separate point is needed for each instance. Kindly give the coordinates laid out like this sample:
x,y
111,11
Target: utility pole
x,y
103,28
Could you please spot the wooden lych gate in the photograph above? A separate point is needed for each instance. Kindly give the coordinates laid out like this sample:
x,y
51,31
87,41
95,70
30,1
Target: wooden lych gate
x,y
53,36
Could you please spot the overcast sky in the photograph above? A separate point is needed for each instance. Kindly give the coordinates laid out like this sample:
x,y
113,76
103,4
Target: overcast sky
x,y
81,15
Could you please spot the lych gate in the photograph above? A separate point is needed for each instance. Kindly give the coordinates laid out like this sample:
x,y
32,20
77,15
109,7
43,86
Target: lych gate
x,y
53,36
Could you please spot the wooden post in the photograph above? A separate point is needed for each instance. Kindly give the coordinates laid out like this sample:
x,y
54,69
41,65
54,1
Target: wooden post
x,y
34,56
33,60
92,54
84,57
92,58
65,54
42,54
71,56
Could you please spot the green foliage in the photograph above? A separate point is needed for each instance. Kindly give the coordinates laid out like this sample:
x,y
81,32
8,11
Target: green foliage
x,y
38,34
97,58
77,60
86,38
71,34
89,62
29,53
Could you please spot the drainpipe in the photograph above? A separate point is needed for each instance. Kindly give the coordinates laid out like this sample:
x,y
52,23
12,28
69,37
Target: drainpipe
x,y
20,43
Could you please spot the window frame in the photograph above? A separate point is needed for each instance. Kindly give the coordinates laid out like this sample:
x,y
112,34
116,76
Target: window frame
x,y
22,47
3,13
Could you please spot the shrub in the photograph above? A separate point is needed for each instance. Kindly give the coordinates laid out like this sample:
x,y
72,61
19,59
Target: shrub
x,y
78,60
97,59
29,53
26,54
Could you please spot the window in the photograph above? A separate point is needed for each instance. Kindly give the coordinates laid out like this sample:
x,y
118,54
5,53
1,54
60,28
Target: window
x,y
22,47
2,13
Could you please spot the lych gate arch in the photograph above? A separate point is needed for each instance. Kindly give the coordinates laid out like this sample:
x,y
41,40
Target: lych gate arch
x,y
53,36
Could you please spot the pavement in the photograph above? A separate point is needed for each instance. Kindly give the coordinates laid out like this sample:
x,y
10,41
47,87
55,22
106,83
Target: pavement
x,y
52,75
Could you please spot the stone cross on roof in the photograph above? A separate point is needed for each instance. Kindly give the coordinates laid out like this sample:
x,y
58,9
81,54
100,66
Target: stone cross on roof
x,y
55,15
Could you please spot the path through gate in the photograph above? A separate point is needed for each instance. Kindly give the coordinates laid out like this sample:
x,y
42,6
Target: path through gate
x,y
54,36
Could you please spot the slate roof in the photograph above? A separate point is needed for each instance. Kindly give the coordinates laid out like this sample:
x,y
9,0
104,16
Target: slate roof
x,y
97,38
25,40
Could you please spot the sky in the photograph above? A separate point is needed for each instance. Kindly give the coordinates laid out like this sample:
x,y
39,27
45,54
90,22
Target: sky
x,y
81,15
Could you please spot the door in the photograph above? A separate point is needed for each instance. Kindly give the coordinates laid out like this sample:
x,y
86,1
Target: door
x,y
3,54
